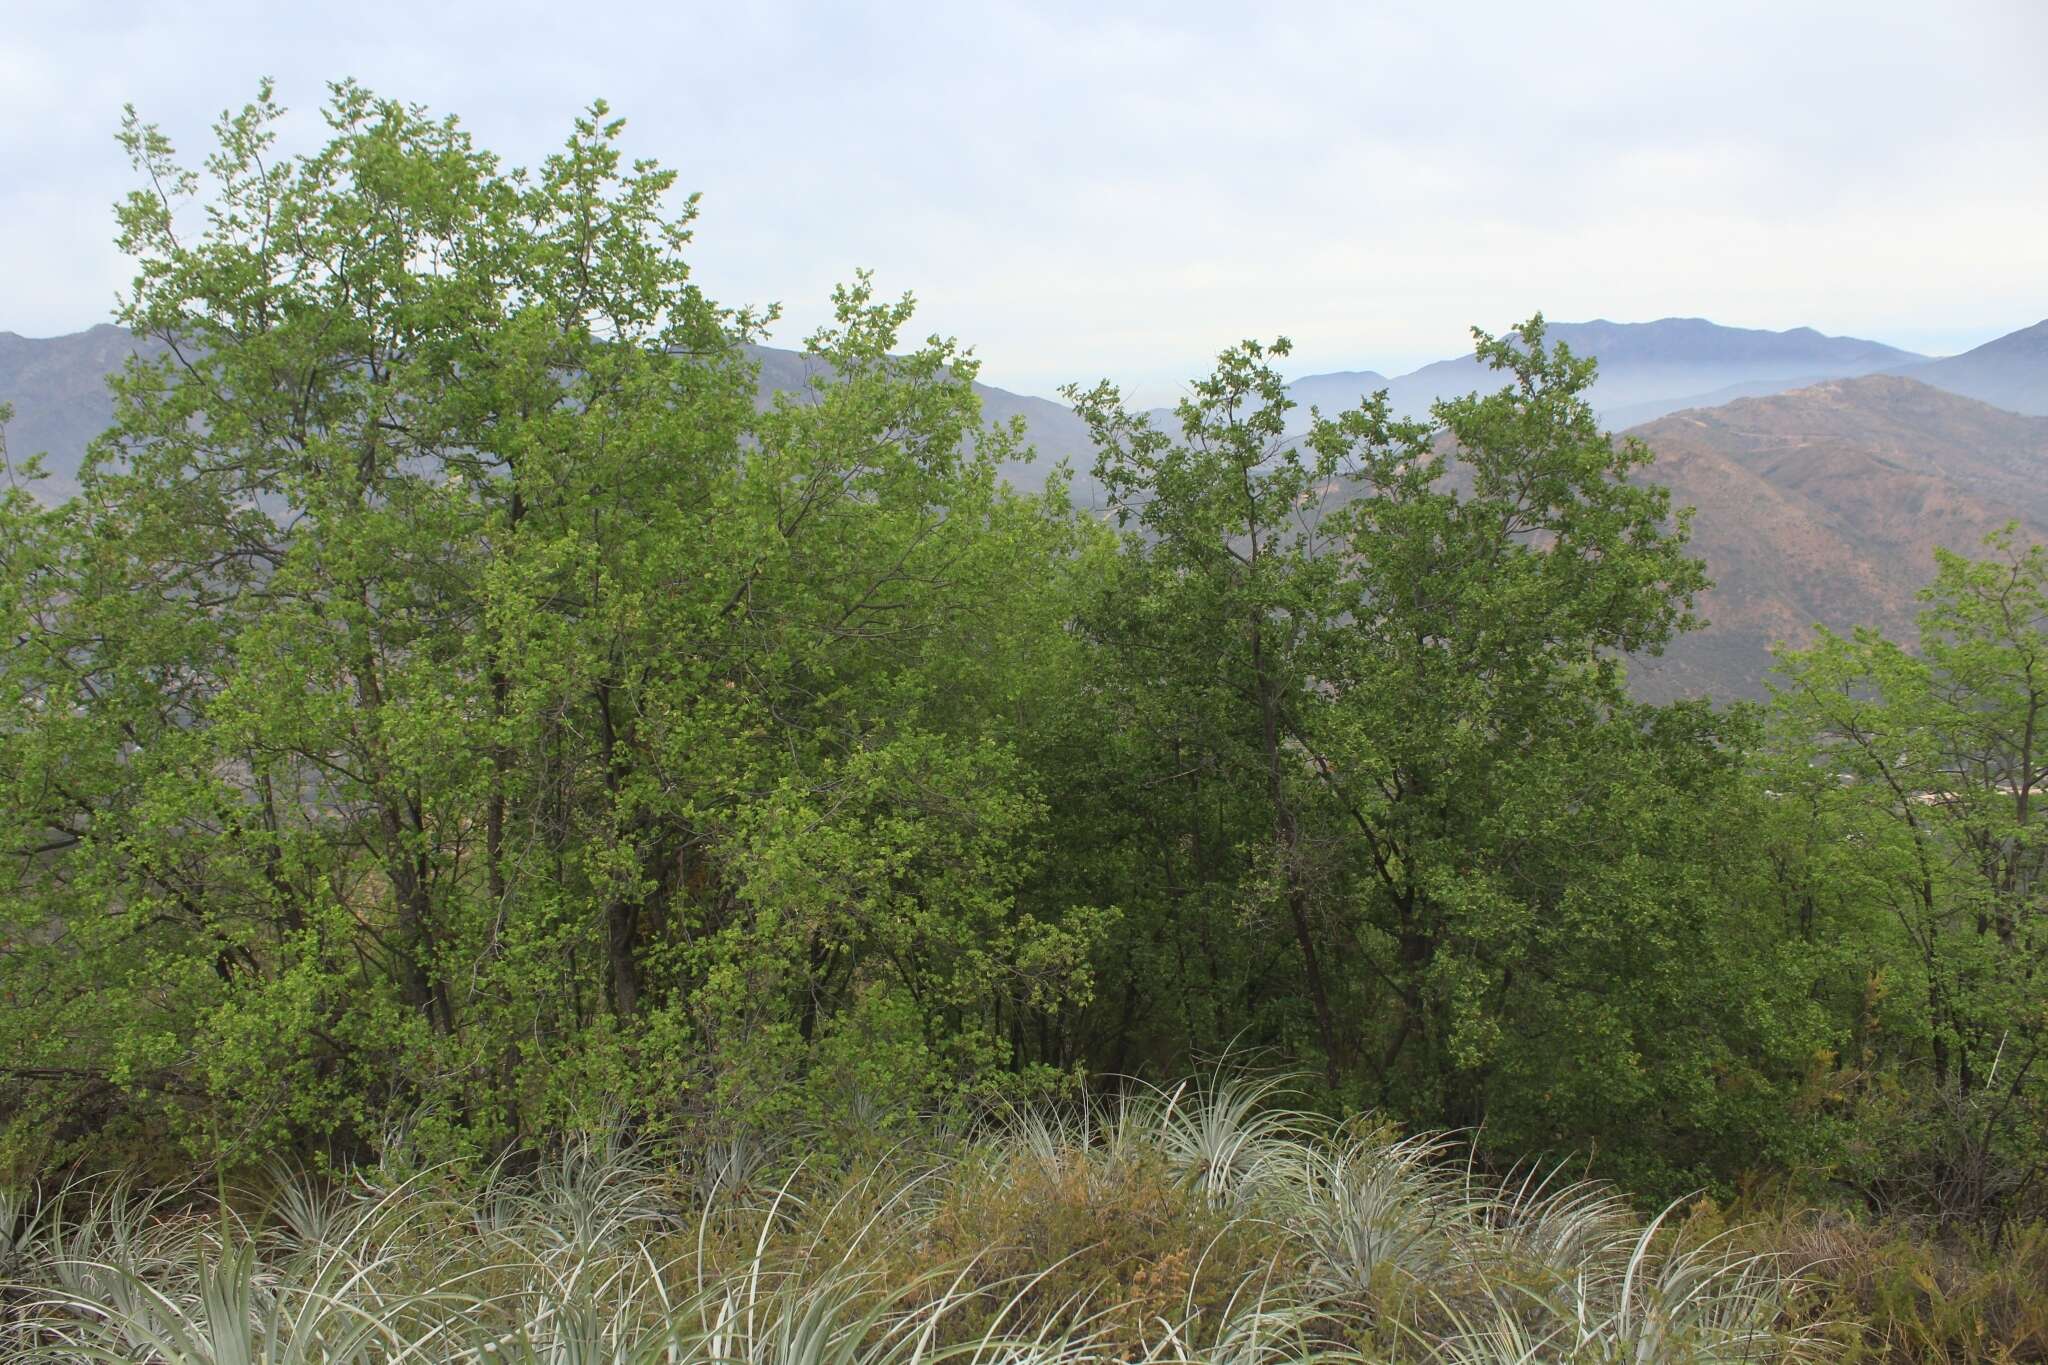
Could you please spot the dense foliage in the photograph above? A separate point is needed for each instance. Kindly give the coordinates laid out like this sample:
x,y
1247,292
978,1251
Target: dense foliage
x,y
452,702
454,713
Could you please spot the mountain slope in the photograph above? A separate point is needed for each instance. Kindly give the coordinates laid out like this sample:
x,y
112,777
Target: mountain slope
x,y
1335,392
1646,368
1825,505
1822,504
1051,429
58,388
59,391
2010,373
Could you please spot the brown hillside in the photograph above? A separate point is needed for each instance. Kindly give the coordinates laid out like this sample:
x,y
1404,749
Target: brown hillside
x,y
1825,505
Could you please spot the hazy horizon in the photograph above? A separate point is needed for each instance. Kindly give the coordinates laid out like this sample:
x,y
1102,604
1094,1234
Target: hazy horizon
x,y
1080,192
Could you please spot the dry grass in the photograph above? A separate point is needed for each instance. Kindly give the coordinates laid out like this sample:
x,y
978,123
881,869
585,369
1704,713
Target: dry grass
x,y
1207,1223
1897,1292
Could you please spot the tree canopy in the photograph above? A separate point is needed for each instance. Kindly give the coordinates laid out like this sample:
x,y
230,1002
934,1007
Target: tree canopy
x,y
457,709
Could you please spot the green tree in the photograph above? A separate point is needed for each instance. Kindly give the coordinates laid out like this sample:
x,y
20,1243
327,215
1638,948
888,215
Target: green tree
x,y
1368,686
458,706
1928,767
1228,579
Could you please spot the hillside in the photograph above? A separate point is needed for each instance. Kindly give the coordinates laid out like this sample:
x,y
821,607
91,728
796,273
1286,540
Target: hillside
x,y
1825,505
2010,372
58,388
1335,392
1822,504
1647,369
1052,429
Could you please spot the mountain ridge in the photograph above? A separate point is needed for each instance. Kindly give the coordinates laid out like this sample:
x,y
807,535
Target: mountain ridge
x,y
1819,496
1824,505
2009,372
1646,368
58,388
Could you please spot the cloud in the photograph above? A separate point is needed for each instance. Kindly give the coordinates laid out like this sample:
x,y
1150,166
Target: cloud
x,y
1121,190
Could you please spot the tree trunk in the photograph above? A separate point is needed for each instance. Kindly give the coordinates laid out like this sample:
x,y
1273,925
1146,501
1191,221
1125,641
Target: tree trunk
x,y
1287,831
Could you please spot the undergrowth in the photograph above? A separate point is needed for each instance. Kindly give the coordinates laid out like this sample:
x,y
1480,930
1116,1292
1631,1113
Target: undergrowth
x,y
1900,1292
1206,1223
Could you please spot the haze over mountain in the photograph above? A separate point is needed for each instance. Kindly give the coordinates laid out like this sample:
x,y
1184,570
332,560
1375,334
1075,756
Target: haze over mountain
x,y
2010,372
1646,368
1819,504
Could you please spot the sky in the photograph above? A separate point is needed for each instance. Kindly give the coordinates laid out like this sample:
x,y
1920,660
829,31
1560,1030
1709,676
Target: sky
x,y
1104,190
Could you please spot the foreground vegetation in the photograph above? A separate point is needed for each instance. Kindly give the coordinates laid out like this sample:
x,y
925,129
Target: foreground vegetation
x,y
1194,1224
453,725
1205,1222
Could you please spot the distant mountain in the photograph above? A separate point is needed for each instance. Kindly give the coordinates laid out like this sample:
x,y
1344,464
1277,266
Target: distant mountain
x,y
58,388
1650,369
1634,414
1052,430
1335,392
2010,373
1646,368
1825,505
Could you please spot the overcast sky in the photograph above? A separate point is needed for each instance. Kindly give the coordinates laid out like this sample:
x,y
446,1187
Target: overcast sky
x,y
1120,190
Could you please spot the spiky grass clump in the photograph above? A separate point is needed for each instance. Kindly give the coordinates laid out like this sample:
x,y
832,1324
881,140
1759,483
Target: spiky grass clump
x,y
1206,1222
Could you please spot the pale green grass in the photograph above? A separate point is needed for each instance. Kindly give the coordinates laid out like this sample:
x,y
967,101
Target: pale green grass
x,y
1207,1222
